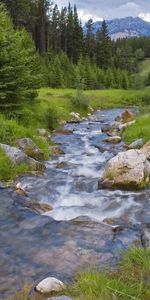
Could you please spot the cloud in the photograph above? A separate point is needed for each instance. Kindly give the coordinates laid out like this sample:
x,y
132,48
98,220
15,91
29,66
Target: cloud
x,y
109,9
145,16
86,16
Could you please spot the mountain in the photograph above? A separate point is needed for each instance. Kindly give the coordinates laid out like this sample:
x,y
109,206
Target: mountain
x,y
125,27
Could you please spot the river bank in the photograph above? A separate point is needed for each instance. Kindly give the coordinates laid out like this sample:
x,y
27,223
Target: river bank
x,y
49,111
62,240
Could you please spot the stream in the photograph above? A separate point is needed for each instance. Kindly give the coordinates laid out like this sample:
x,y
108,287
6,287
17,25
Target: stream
x,y
87,226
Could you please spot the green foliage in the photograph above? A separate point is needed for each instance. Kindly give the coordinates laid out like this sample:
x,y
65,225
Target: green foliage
x,y
141,129
104,48
20,66
130,282
11,130
80,100
147,82
7,170
52,117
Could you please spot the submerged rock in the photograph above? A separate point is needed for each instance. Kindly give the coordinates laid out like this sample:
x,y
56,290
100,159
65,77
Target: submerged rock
x,y
113,139
30,148
56,150
62,131
136,144
49,285
128,170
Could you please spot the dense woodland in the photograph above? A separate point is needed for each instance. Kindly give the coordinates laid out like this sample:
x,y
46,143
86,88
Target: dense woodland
x,y
44,46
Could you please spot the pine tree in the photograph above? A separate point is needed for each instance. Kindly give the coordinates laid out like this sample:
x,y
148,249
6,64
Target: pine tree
x,y
77,36
70,30
90,43
104,48
19,64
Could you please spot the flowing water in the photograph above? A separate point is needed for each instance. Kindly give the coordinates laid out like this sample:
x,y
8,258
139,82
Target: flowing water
x,y
75,234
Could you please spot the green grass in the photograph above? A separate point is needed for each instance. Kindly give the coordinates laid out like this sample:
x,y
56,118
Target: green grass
x,y
7,171
141,129
97,98
11,130
130,282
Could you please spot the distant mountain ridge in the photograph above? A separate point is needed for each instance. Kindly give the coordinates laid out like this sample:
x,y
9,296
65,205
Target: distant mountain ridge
x,y
125,27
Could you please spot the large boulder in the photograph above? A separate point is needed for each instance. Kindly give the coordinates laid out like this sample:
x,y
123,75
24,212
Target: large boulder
x,y
30,148
18,157
146,150
49,285
128,170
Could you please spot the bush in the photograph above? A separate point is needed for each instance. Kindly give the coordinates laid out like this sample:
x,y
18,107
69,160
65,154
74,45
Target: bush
x,y
146,99
52,118
80,100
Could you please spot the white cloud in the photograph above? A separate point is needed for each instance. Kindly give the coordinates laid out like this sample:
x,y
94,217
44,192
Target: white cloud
x,y
145,16
85,17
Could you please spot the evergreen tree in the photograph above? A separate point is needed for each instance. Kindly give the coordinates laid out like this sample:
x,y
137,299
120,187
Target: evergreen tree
x,y
90,40
19,64
77,37
70,30
104,48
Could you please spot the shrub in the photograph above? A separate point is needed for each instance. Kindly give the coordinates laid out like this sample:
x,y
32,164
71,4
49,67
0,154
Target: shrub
x,y
80,100
52,118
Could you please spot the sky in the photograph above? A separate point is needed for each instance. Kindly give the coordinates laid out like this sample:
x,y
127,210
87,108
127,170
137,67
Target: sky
x,y
110,9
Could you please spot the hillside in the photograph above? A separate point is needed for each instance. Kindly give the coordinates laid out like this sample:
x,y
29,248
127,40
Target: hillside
x,y
125,27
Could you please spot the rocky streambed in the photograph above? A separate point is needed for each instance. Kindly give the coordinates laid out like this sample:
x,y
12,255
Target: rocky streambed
x,y
65,223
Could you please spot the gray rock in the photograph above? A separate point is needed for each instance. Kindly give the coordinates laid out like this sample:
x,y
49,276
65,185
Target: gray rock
x,y
146,150
17,156
122,127
136,144
59,298
30,148
75,117
42,132
128,169
146,237
49,285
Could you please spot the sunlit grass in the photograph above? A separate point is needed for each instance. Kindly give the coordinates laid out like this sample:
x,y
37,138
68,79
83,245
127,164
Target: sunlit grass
x,y
131,281
141,129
